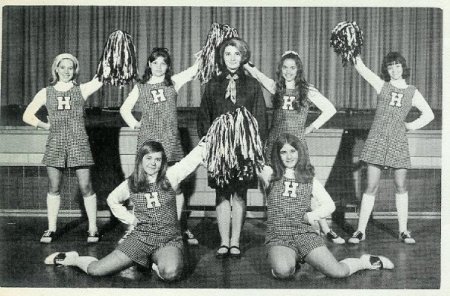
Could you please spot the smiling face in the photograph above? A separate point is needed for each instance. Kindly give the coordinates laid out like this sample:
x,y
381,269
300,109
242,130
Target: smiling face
x,y
158,67
151,162
232,58
395,71
289,156
65,70
289,70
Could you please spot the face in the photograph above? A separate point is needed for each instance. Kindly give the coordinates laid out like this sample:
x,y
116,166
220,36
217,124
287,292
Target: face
x,y
158,67
152,163
289,156
232,58
65,70
395,70
289,70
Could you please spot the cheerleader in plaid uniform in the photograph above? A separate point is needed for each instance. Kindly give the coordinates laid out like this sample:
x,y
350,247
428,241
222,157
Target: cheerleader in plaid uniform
x,y
156,237
158,93
224,93
293,96
290,236
387,144
67,143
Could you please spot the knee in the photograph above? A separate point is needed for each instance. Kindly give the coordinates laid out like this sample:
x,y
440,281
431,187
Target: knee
x,y
372,189
400,189
86,190
283,271
170,272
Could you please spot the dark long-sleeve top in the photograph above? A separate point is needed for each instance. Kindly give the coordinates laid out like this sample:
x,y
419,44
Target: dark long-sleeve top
x,y
248,95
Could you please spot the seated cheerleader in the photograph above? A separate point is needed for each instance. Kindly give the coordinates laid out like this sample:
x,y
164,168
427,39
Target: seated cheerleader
x,y
290,236
156,236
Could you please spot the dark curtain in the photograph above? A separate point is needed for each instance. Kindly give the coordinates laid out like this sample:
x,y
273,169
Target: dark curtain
x,y
32,36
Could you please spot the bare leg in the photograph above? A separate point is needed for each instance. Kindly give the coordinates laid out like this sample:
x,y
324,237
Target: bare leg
x,y
169,261
89,197
223,210
321,259
282,260
238,217
53,196
368,199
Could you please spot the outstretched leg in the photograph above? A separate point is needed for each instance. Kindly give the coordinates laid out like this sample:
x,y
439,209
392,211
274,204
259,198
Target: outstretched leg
x,y
282,261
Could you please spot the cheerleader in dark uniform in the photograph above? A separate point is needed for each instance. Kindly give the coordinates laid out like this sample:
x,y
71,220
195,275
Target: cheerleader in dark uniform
x,y
387,144
290,236
156,237
293,96
67,143
157,91
224,93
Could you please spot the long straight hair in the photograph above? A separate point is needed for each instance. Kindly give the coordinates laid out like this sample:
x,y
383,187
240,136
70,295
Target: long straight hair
x,y
301,85
138,180
304,171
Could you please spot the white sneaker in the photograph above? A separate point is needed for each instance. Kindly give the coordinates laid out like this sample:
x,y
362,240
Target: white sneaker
x,y
189,237
357,237
59,258
377,262
333,237
405,236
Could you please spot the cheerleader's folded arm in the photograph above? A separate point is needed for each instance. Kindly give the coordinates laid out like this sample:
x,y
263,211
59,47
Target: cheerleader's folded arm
x,y
325,205
127,106
426,115
326,108
29,116
185,76
265,81
368,75
90,87
179,171
115,202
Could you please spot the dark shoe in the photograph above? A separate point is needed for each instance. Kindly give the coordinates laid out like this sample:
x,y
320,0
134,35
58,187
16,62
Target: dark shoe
x,y
222,255
48,237
235,255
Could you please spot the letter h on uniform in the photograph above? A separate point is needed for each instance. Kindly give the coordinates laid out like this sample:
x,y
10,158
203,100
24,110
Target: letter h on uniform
x,y
158,95
63,103
287,104
152,200
396,99
290,189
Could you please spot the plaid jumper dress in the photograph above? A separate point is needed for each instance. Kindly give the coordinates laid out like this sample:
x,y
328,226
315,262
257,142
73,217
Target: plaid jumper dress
x,y
287,203
387,144
67,143
158,225
159,118
286,119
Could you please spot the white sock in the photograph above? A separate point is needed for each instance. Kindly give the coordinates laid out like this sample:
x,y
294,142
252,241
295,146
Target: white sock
x,y
354,264
83,262
367,204
180,205
401,202
53,204
90,203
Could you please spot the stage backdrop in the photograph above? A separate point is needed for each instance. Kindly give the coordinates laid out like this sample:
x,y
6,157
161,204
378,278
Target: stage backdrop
x,y
32,36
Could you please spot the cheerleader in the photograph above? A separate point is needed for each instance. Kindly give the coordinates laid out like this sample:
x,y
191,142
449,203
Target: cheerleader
x,y
156,237
387,144
157,91
67,144
290,237
293,96
224,93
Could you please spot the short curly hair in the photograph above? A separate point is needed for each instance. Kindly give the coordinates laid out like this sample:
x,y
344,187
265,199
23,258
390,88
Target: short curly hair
x,y
240,44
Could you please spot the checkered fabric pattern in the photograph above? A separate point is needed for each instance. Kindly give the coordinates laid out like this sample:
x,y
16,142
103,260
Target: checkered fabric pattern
x,y
287,203
387,144
158,225
287,121
67,143
159,118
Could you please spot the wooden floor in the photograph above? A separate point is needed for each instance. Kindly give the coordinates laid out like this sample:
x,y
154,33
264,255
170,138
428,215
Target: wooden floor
x,y
21,258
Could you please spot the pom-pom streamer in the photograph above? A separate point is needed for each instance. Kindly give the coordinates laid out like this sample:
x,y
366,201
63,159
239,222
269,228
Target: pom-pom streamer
x,y
209,53
118,65
233,150
347,40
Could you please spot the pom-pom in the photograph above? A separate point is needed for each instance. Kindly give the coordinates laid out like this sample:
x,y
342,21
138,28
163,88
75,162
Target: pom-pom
x,y
347,40
233,150
118,65
209,54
